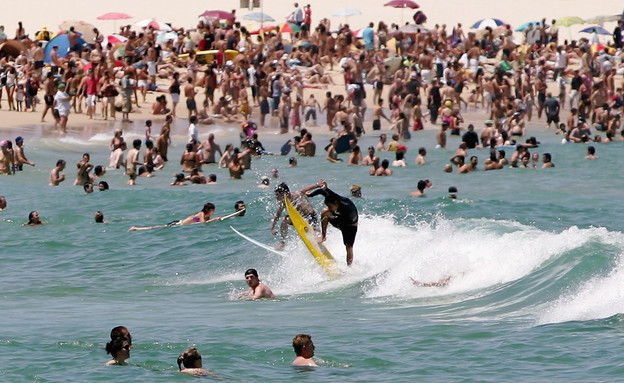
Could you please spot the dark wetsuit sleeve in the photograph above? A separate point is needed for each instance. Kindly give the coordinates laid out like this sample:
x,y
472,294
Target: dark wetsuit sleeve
x,y
320,191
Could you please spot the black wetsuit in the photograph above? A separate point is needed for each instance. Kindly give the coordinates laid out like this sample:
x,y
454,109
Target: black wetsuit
x,y
345,218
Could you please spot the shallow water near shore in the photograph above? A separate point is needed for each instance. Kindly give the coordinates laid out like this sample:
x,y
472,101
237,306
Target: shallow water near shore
x,y
534,256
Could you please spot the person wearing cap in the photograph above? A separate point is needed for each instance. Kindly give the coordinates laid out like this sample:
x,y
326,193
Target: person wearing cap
x,y
6,159
20,158
62,108
256,289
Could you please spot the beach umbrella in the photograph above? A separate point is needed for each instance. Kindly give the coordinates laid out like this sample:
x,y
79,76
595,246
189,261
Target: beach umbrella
x,y
258,16
489,22
155,24
597,29
166,36
263,28
114,16
82,27
346,12
62,41
116,39
526,25
603,19
217,15
569,21
289,28
401,4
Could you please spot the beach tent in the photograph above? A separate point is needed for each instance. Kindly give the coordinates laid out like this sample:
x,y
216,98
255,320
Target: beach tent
x,y
63,43
11,48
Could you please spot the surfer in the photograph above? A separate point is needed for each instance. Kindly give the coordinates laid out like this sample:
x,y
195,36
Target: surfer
x,y
341,213
300,202
304,348
256,290
202,216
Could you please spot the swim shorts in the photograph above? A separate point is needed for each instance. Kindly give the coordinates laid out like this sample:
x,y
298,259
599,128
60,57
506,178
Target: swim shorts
x,y
348,234
190,104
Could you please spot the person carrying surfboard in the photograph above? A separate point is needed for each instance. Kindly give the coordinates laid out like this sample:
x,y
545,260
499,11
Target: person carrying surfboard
x,y
342,213
301,203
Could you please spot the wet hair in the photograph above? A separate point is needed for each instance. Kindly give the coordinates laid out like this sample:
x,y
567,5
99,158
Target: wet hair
x,y
422,184
282,188
191,358
103,184
99,217
212,177
299,341
452,189
399,155
114,346
59,162
208,207
591,150
30,217
547,157
179,177
385,163
97,170
422,151
251,271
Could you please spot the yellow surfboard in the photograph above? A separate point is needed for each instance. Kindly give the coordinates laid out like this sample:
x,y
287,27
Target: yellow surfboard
x,y
307,234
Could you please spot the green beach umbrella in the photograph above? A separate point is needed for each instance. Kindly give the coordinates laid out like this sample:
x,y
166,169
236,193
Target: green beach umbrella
x,y
569,21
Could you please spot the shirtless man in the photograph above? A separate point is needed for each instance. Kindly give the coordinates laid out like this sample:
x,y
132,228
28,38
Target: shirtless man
x,y
256,290
441,135
132,159
210,148
301,203
307,147
20,158
377,114
381,145
50,90
370,158
304,348
189,92
383,170
188,159
83,168
56,177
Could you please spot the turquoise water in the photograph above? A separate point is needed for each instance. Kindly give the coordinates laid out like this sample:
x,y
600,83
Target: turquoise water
x,y
534,255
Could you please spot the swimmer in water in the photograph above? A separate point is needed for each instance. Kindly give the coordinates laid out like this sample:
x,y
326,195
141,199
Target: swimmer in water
x,y
256,290
192,361
202,216
119,347
439,283
304,348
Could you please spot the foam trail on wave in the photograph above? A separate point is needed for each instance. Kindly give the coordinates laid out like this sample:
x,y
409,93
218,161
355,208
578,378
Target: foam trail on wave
x,y
599,297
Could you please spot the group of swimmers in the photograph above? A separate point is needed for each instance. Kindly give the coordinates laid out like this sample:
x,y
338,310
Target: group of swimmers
x,y
190,361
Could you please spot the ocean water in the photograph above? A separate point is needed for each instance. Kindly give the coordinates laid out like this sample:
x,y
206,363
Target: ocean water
x,y
534,258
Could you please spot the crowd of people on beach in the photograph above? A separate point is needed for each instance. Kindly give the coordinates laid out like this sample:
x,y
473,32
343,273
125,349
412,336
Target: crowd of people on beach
x,y
429,74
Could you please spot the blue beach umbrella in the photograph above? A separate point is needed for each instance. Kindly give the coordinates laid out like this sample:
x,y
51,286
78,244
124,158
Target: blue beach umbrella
x,y
258,16
526,25
597,29
62,41
489,22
